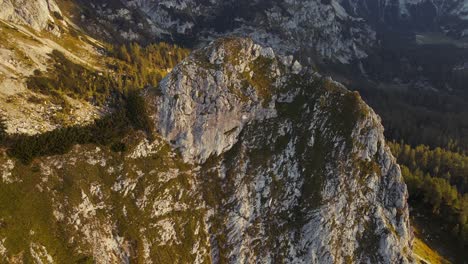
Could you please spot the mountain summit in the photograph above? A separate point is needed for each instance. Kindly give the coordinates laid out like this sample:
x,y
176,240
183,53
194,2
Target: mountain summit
x,y
294,166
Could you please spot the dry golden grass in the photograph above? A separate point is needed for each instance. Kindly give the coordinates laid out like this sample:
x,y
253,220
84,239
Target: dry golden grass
x,y
425,254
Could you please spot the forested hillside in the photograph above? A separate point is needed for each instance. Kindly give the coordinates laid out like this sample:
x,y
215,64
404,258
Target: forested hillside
x,y
128,67
437,183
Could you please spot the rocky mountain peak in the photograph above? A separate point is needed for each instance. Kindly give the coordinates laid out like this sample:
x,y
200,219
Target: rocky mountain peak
x,y
254,158
212,95
300,164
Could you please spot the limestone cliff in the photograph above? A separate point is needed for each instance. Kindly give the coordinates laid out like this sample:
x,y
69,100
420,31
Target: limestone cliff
x,y
300,166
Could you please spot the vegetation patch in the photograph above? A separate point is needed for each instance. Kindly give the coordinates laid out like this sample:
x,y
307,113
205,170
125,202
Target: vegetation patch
x,y
233,47
201,59
26,216
109,130
130,67
3,129
261,80
71,79
346,111
137,66
27,207
137,112
369,244
437,182
424,253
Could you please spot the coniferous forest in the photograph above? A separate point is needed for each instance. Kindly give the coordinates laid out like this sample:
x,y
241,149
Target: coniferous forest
x,y
131,67
437,183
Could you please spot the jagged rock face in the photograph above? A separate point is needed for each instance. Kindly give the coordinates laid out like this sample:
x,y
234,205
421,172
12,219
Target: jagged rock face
x,y
95,206
298,180
38,14
289,26
313,182
208,99
305,177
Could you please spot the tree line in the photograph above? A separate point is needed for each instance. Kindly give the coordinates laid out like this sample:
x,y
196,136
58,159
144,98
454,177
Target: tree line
x,y
131,68
438,162
137,66
437,182
3,129
106,131
128,67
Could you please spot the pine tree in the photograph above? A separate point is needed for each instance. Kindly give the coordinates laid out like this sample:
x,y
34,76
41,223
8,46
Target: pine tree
x,y
123,54
3,128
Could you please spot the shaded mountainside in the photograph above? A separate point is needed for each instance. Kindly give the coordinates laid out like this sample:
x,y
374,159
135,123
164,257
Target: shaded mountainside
x,y
340,30
252,159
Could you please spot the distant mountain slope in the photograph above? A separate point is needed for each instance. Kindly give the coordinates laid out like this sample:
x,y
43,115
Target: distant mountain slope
x,y
53,74
340,30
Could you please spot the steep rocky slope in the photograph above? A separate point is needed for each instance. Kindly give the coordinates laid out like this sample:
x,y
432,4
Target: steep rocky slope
x,y
38,14
253,159
30,32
